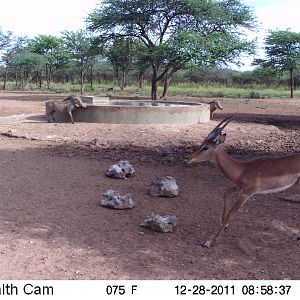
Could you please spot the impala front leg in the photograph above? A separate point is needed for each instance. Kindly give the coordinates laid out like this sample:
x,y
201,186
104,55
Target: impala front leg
x,y
226,195
233,211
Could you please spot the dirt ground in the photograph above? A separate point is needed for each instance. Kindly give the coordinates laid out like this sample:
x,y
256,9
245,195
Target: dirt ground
x,y
52,177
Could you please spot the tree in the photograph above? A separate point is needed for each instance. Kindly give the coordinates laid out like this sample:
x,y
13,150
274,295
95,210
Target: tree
x,y
282,49
52,49
5,42
16,45
5,38
176,33
121,55
267,76
80,48
27,63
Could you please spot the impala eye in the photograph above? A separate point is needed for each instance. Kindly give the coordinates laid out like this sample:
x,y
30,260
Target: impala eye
x,y
205,148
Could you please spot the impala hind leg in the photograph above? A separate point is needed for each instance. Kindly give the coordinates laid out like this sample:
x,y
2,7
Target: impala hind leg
x,y
233,211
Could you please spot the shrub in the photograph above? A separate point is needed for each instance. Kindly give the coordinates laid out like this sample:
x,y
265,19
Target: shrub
x,y
254,95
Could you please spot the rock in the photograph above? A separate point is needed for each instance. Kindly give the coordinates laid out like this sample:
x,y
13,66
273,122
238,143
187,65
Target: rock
x,y
160,223
122,170
164,187
113,199
115,171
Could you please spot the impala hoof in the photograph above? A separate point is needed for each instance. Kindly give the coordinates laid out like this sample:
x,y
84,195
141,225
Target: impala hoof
x,y
206,244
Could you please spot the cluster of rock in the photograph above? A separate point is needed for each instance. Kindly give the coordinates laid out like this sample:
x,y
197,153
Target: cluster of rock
x,y
121,170
162,187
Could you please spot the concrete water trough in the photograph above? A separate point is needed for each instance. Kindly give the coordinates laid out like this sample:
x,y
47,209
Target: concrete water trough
x,y
104,110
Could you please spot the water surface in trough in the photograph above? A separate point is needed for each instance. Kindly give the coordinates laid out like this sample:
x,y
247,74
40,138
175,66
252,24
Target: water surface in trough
x,y
147,103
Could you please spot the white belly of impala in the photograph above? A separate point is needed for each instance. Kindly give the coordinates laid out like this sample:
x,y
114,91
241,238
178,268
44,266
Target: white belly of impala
x,y
279,189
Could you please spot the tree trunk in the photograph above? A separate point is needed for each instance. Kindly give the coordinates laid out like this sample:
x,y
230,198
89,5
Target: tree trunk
x,y
123,81
141,79
36,77
22,80
91,74
154,83
27,80
16,80
81,78
40,80
292,83
48,76
81,82
154,89
167,81
5,80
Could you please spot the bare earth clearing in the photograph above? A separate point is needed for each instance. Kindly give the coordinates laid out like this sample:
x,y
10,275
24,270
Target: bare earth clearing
x,y
52,178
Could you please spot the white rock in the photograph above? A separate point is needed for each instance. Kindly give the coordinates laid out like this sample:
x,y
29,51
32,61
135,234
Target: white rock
x,y
122,170
164,187
113,199
160,223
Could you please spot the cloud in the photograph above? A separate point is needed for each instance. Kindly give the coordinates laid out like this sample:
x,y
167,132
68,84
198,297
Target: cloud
x,y
280,15
272,15
34,17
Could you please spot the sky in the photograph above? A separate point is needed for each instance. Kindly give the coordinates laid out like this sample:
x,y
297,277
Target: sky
x,y
33,17
277,14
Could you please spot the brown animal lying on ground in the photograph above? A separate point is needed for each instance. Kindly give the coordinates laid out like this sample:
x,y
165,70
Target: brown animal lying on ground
x,y
67,105
214,105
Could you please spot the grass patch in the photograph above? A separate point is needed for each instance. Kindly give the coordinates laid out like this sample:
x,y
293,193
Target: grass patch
x,y
180,90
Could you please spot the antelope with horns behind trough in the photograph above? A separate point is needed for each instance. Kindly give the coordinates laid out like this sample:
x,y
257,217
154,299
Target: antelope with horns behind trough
x,y
262,175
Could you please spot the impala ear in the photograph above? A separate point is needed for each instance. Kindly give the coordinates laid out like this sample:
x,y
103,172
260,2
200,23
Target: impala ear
x,y
221,139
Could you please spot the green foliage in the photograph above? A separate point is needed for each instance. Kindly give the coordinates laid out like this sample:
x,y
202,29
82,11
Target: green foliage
x,y
177,33
121,54
188,41
283,49
26,64
266,75
283,53
17,45
28,61
80,48
53,50
78,44
48,45
5,38
254,95
183,89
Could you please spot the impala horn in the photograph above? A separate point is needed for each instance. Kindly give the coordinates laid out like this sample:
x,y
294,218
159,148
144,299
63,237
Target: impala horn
x,y
218,129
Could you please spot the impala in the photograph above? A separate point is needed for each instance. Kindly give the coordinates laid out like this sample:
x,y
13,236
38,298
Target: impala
x,y
262,175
